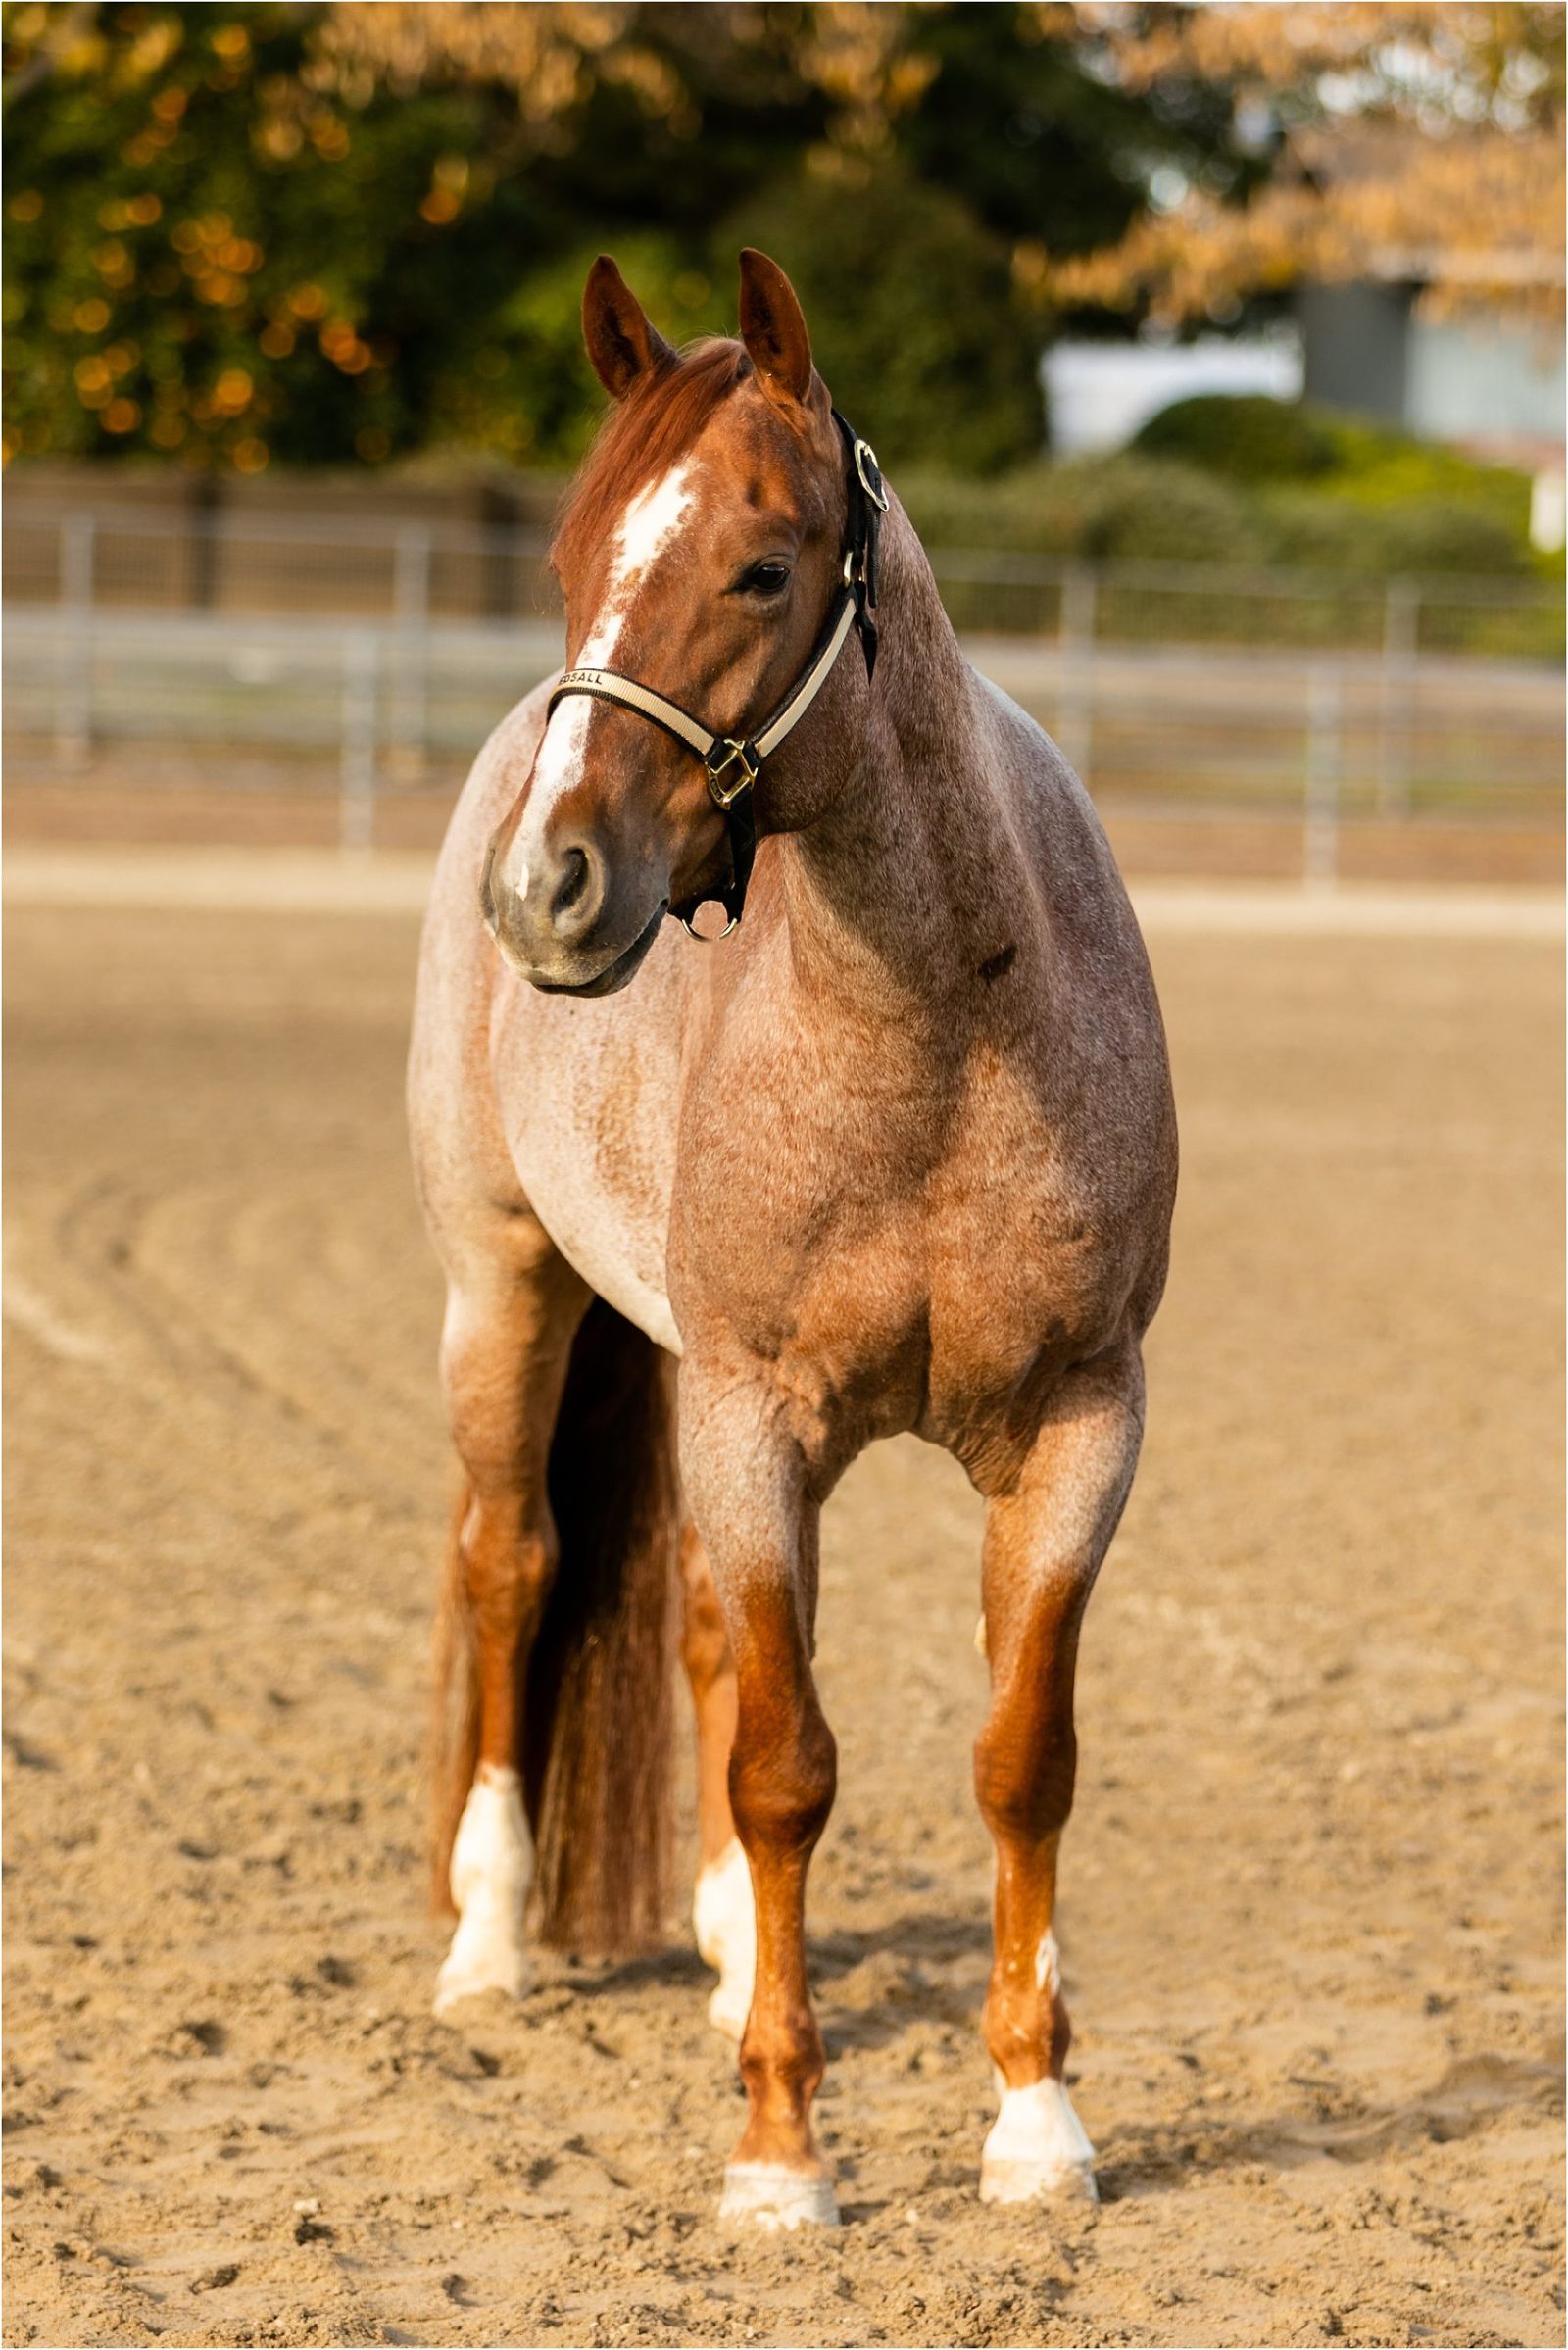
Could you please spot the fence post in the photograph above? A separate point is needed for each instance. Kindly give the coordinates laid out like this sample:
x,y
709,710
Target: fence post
x,y
1321,829
411,595
357,802
73,675
1075,697
1402,619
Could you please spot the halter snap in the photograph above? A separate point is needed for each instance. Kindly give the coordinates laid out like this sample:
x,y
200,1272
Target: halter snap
x,y
732,763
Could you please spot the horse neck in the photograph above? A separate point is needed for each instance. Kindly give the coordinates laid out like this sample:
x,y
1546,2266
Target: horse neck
x,y
910,879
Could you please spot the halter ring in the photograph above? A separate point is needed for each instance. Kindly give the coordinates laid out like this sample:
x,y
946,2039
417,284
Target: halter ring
x,y
705,938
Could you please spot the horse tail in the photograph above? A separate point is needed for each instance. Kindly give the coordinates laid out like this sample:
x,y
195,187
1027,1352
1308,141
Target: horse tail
x,y
599,1706
453,1746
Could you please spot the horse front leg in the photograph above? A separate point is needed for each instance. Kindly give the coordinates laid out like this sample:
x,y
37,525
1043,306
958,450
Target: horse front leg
x,y
745,1480
1044,1541
723,1911
504,1346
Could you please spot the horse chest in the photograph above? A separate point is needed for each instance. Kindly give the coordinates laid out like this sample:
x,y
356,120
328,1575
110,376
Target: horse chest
x,y
590,1134
894,1284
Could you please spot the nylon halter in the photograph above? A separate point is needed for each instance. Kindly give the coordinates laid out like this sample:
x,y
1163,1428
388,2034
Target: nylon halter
x,y
733,762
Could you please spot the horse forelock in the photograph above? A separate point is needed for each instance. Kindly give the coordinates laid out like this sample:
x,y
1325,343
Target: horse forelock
x,y
642,438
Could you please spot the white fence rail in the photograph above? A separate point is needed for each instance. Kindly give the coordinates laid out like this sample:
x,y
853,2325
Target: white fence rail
x,y
374,712
371,657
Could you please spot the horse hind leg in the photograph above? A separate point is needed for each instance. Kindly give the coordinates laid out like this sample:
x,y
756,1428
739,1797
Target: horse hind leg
x,y
723,1910
1043,1544
505,1347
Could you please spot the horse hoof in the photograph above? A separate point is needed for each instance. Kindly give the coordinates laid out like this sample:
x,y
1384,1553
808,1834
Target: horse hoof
x,y
768,2195
1030,2183
472,1969
1037,2147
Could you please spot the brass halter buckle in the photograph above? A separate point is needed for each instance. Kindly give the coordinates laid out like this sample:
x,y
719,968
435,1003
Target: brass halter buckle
x,y
725,755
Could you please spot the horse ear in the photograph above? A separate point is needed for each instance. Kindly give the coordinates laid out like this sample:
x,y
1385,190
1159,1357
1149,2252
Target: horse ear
x,y
621,344
773,328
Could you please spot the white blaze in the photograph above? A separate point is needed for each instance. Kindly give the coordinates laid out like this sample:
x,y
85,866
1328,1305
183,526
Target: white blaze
x,y
647,527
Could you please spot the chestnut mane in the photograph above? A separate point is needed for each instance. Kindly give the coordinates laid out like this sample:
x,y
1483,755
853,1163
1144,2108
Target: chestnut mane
x,y
641,438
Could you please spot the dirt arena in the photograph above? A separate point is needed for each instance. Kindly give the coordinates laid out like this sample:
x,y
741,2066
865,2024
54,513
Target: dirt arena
x,y
1311,1892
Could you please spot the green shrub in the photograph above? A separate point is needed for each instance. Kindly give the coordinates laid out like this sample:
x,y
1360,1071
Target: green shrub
x,y
1334,531
1245,436
1441,534
912,318
1379,468
1097,508
1362,471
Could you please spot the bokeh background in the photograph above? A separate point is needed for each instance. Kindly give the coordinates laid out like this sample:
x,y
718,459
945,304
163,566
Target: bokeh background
x,y
1234,330
1218,353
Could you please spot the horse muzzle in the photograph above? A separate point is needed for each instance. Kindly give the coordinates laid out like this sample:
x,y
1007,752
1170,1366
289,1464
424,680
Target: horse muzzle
x,y
566,930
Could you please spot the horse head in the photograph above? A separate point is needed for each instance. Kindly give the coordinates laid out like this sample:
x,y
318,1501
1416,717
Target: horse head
x,y
699,552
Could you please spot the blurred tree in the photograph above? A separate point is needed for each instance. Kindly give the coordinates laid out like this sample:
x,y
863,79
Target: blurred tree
x,y
1421,142
214,251
1018,115
912,317
256,231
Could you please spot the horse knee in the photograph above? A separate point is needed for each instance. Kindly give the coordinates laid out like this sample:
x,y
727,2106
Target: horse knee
x,y
508,1563
782,1784
1024,1790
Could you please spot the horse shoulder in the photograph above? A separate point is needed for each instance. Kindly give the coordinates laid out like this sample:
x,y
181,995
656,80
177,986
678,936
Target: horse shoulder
x,y
1082,1082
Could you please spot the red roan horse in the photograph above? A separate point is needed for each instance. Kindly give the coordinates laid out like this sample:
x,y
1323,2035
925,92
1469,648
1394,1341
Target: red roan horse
x,y
900,1155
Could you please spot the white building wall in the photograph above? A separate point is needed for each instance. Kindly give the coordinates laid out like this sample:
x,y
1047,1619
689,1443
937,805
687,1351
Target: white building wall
x,y
1099,394
1484,382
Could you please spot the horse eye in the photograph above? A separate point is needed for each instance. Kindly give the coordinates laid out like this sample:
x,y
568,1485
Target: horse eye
x,y
766,579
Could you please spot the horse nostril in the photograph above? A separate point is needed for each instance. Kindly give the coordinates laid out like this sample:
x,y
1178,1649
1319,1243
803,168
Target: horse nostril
x,y
577,891
572,881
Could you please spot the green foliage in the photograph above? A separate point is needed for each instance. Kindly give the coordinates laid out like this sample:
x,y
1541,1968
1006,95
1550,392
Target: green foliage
x,y
1379,501
1096,509
1420,536
1380,468
1245,436
226,250
204,259
1039,141
1136,509
521,381
911,315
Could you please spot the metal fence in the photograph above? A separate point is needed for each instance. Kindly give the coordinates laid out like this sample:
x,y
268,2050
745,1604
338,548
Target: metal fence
x,y
386,570
368,660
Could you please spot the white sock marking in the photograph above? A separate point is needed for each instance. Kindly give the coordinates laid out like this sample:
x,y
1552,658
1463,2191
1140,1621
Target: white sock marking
x,y
491,1868
724,1914
1037,2146
768,2195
